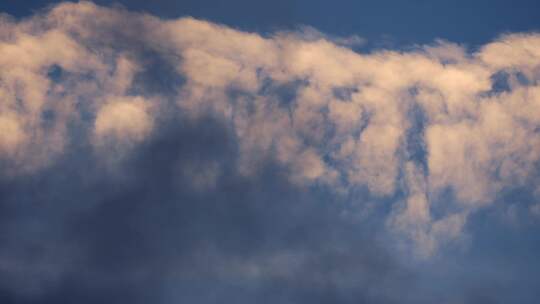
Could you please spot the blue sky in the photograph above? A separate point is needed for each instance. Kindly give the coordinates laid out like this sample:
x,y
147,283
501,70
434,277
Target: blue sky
x,y
401,22
269,152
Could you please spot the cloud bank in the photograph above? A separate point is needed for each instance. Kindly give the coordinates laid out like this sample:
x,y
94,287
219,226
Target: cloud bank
x,y
190,111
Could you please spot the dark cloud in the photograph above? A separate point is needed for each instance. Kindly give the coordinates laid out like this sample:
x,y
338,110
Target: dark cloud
x,y
81,233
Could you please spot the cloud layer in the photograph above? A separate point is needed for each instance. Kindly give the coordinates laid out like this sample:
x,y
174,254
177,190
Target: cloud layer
x,y
434,133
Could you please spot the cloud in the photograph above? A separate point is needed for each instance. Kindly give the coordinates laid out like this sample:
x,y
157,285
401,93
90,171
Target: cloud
x,y
438,133
12,135
476,142
122,120
172,229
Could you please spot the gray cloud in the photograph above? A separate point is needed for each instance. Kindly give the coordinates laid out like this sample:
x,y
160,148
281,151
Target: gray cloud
x,y
92,236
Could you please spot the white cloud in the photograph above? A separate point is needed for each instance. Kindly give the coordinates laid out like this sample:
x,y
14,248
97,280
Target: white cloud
x,y
478,142
122,120
11,135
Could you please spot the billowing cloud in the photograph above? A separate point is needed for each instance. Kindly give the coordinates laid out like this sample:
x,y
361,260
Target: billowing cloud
x,y
122,120
331,115
439,131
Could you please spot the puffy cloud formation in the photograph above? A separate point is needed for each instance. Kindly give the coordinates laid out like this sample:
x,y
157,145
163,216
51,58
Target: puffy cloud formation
x,y
122,120
442,129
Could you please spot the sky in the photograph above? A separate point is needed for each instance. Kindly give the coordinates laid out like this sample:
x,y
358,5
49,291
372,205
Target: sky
x,y
382,23
269,152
